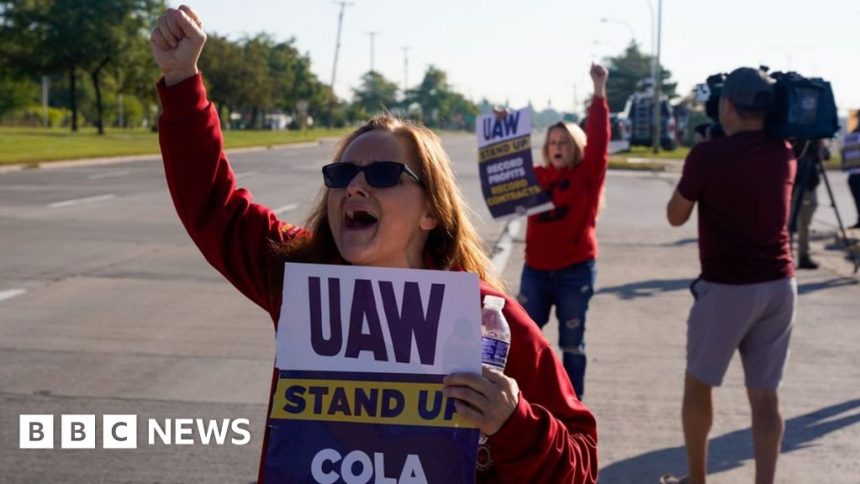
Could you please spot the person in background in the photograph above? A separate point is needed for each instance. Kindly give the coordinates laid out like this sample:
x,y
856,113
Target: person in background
x,y
809,155
854,185
561,244
746,295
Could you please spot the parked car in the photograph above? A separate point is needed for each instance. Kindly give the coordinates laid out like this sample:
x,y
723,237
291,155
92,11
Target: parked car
x,y
638,116
619,125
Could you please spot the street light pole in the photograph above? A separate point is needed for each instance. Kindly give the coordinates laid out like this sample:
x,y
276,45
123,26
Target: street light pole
x,y
610,45
405,69
625,24
656,76
334,64
372,35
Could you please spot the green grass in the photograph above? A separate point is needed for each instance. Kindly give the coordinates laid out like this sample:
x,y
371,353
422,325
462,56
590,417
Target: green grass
x,y
34,145
645,152
619,163
641,158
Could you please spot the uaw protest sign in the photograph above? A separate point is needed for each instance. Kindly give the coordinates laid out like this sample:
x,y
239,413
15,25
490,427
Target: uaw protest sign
x,y
851,151
361,353
505,166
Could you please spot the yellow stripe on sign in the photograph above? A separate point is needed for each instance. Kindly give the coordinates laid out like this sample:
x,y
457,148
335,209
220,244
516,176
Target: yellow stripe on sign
x,y
372,402
504,148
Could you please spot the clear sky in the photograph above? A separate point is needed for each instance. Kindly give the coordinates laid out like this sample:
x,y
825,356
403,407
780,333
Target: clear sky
x,y
539,50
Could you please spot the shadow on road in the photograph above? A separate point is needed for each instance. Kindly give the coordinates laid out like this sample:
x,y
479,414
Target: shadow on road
x,y
646,288
731,450
680,242
828,284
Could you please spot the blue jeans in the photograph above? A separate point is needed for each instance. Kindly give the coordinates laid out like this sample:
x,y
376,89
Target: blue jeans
x,y
854,185
569,289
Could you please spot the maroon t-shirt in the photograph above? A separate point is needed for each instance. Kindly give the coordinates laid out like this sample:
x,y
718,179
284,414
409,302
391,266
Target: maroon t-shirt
x,y
742,184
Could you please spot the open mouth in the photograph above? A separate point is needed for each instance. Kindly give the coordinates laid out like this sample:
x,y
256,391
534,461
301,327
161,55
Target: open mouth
x,y
359,219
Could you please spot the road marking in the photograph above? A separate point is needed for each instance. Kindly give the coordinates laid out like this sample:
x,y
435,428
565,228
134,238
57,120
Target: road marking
x,y
245,174
109,174
285,208
78,201
502,250
10,293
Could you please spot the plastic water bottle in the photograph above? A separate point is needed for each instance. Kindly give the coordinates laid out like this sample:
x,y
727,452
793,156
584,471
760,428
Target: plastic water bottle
x,y
495,338
495,333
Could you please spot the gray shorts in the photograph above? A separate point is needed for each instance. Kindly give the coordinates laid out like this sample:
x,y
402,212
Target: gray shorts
x,y
755,319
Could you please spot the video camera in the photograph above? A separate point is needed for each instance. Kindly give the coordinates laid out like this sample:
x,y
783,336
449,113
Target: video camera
x,y
802,108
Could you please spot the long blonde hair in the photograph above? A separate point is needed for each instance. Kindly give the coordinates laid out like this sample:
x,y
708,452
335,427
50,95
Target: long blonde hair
x,y
453,244
576,136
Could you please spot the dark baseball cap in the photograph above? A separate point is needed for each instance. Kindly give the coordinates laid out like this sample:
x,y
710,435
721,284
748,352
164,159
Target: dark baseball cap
x,y
749,88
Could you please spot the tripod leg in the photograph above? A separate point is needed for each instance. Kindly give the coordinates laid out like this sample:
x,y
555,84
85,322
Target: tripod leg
x,y
853,255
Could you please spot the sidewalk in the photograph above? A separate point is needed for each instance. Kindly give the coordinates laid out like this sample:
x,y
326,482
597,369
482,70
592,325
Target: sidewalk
x,y
636,346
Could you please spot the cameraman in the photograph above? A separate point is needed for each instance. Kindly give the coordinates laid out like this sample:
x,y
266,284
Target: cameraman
x,y
809,154
745,296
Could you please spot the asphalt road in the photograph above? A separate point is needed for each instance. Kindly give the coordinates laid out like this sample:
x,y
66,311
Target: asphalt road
x,y
106,307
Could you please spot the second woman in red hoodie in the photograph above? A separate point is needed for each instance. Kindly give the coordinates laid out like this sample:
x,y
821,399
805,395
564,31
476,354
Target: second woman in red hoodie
x,y
561,244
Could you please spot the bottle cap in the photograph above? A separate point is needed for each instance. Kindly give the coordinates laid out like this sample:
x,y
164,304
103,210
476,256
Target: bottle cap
x,y
494,302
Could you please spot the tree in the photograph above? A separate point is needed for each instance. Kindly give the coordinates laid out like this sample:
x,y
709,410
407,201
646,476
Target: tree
x,y
217,62
134,76
627,71
118,25
440,105
256,94
256,74
376,93
18,92
54,36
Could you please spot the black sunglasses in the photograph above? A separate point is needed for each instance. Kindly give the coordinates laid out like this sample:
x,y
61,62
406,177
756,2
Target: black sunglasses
x,y
379,174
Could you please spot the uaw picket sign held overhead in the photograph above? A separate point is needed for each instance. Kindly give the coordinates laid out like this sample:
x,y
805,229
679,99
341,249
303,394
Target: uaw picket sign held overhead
x,y
505,166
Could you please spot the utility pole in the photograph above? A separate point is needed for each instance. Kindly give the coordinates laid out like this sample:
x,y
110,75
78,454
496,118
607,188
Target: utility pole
x,y
658,82
343,5
575,88
120,107
46,86
372,35
405,69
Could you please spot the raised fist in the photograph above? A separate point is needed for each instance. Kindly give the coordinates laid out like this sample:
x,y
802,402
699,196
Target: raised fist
x,y
177,42
599,74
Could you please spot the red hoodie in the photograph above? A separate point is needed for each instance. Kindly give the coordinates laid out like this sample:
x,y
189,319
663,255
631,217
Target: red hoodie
x,y
567,235
551,436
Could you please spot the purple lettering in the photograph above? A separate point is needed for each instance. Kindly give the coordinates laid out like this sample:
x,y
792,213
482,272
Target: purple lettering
x,y
318,393
294,395
392,402
339,402
365,401
411,320
364,308
322,346
511,123
423,411
450,409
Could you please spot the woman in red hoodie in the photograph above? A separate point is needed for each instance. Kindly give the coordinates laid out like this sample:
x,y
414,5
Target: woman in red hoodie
x,y
389,199
561,244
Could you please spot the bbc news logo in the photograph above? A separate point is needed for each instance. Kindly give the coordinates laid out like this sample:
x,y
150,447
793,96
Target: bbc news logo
x,y
120,431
